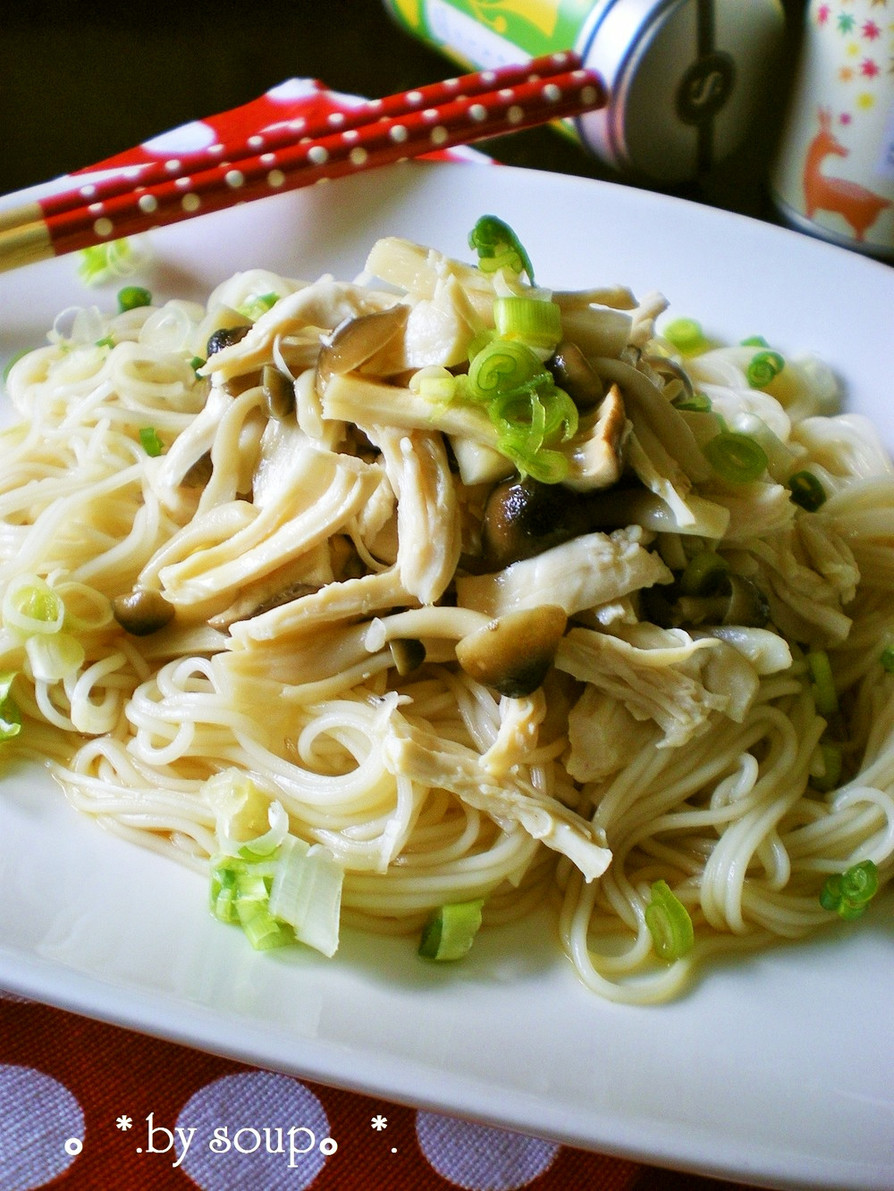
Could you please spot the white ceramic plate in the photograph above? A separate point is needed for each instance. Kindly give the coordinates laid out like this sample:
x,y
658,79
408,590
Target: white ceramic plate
x,y
775,1069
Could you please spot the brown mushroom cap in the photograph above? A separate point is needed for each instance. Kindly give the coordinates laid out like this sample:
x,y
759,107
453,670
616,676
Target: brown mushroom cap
x,y
574,373
142,612
514,652
279,392
523,518
357,340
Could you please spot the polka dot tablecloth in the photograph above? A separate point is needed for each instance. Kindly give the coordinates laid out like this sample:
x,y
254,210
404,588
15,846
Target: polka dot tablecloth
x,y
87,1106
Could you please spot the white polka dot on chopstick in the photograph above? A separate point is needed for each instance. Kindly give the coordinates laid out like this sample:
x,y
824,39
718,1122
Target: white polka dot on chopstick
x,y
303,151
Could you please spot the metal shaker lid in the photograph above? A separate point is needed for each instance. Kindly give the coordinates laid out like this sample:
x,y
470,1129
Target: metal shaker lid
x,y
685,78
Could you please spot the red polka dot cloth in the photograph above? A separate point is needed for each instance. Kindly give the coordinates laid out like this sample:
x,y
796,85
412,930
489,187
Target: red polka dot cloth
x,y
87,1106
91,1107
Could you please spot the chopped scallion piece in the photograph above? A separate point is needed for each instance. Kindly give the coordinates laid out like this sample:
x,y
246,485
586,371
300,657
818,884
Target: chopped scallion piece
x,y
669,923
10,716
887,659
686,335
736,457
763,368
258,305
132,297
100,262
501,366
755,341
698,403
704,574
822,683
830,778
31,606
806,490
451,930
849,893
150,441
531,320
498,247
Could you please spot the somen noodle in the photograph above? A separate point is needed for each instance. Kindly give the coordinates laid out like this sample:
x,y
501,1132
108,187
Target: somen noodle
x,y
415,600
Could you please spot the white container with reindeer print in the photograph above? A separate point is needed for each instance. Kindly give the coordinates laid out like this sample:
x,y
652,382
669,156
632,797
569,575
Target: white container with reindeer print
x,y
834,173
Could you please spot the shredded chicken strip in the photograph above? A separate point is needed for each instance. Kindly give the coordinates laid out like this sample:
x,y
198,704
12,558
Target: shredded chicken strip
x,y
441,764
587,571
428,521
659,684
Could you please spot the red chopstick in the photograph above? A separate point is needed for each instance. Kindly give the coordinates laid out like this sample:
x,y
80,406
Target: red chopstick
x,y
378,132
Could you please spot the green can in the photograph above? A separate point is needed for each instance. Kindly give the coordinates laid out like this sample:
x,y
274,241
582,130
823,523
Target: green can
x,y
686,78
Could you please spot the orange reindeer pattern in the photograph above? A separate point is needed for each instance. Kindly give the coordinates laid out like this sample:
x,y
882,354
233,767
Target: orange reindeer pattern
x,y
859,207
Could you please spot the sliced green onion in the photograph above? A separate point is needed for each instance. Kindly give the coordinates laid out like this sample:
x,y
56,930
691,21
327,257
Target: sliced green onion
x,y
54,656
887,659
849,893
132,297
150,441
806,490
704,574
435,384
825,696
10,716
669,923
265,845
498,247
754,341
260,927
107,341
528,422
277,887
258,305
243,812
686,335
763,368
305,893
736,457
31,606
501,366
832,759
698,403
100,262
531,320
450,931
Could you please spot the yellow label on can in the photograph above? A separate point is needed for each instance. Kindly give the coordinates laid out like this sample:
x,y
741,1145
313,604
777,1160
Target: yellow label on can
x,y
490,32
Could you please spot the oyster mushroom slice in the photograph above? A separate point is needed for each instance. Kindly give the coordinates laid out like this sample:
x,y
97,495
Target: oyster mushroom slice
x,y
513,653
355,341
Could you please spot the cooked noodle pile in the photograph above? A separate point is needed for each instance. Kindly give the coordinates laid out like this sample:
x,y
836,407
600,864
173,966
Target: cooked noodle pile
x,y
567,638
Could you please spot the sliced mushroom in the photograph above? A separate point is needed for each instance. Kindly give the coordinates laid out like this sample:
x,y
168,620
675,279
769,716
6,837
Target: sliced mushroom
x,y
739,602
199,473
671,373
226,337
596,453
408,654
279,392
574,374
356,341
523,518
514,652
142,611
